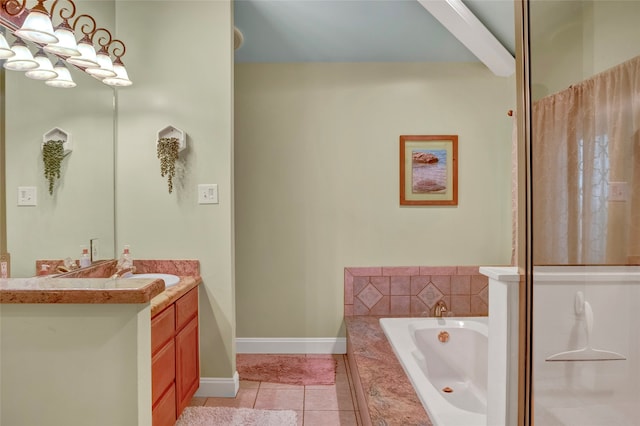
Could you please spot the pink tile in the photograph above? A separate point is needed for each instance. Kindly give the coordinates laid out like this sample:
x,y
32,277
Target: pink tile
x,y
245,398
360,308
443,282
197,401
382,284
280,399
327,399
430,295
348,287
478,283
381,308
461,284
418,283
478,306
460,305
438,270
369,296
401,270
359,283
330,418
400,286
367,271
468,270
418,308
348,310
484,295
400,305
281,386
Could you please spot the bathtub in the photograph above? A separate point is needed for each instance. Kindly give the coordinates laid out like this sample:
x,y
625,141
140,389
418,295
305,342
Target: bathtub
x,y
448,371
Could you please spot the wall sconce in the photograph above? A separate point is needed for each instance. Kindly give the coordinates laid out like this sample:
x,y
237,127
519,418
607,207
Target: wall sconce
x,y
36,26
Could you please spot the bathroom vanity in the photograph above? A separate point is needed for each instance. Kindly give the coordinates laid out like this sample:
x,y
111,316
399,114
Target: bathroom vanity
x,y
99,351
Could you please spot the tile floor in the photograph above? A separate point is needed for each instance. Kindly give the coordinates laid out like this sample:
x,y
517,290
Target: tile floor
x,y
318,405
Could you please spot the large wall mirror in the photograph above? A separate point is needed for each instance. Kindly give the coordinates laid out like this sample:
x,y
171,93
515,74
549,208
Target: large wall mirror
x,y
81,204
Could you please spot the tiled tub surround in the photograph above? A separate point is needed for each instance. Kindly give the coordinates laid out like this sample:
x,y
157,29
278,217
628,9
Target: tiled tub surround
x,y
414,291
385,394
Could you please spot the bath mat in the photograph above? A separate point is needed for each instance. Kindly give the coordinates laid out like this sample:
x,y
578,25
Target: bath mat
x,y
225,416
287,369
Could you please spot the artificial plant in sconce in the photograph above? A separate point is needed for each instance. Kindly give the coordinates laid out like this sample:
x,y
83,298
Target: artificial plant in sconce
x,y
168,149
52,155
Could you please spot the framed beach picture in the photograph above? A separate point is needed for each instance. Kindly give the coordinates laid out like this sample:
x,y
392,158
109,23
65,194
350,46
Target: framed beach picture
x,y
429,170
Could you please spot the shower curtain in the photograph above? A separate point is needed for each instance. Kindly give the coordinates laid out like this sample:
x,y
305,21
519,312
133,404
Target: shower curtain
x,y
586,171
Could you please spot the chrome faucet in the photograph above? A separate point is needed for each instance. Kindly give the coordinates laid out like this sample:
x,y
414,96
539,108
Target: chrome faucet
x,y
440,310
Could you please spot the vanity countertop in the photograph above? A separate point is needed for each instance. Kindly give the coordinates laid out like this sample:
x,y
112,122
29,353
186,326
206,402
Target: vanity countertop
x,y
79,290
171,294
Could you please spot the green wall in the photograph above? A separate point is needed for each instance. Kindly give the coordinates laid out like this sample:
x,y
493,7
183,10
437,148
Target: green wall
x,y
317,178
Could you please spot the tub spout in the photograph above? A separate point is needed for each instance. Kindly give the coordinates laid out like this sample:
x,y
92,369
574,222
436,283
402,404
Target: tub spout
x,y
440,310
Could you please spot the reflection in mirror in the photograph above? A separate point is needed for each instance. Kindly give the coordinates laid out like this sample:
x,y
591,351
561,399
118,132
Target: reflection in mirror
x,y
81,204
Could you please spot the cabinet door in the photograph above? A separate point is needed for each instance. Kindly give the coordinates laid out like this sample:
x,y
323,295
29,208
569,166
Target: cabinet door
x,y
163,370
164,413
187,364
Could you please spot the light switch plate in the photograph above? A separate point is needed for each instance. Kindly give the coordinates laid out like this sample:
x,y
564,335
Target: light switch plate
x,y
27,196
208,193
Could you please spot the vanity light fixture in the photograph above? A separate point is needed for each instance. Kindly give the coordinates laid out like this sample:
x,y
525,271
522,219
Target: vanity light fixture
x,y
22,59
105,68
45,69
87,56
63,80
5,50
66,45
36,26
121,79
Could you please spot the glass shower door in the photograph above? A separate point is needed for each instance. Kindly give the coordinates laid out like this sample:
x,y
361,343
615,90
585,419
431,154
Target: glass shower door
x,y
585,201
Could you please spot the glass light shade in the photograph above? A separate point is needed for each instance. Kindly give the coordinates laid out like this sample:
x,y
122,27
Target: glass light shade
x,y
5,50
106,66
44,71
63,79
87,58
122,77
66,45
37,27
22,60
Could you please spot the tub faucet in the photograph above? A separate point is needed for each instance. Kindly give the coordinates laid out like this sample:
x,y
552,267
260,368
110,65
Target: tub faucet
x,y
440,310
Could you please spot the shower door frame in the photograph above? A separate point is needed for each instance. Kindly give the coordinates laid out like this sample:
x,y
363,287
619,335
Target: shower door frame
x,y
524,259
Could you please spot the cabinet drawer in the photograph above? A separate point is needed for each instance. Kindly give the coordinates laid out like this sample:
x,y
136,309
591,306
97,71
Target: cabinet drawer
x,y
162,328
186,308
164,412
163,370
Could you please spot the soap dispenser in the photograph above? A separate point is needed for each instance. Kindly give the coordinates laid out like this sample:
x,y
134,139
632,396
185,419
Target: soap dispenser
x,y
85,259
125,261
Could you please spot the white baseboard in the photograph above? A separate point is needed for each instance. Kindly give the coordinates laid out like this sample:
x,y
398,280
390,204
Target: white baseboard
x,y
219,387
281,345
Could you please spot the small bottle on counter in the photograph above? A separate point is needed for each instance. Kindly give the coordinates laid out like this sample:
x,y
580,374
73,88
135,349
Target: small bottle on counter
x,y
125,261
44,269
85,258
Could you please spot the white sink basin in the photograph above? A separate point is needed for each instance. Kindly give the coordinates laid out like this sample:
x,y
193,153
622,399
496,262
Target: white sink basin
x,y
169,279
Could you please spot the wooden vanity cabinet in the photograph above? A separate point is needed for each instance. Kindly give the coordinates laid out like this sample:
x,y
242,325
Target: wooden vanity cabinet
x,y
175,366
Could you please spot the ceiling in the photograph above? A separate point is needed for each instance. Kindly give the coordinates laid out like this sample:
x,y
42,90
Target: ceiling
x,y
359,31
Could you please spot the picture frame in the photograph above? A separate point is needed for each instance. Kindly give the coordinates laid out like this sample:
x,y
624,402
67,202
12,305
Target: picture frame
x,y
429,170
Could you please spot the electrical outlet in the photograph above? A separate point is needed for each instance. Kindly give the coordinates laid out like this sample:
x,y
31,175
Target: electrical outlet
x,y
95,249
27,196
208,193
